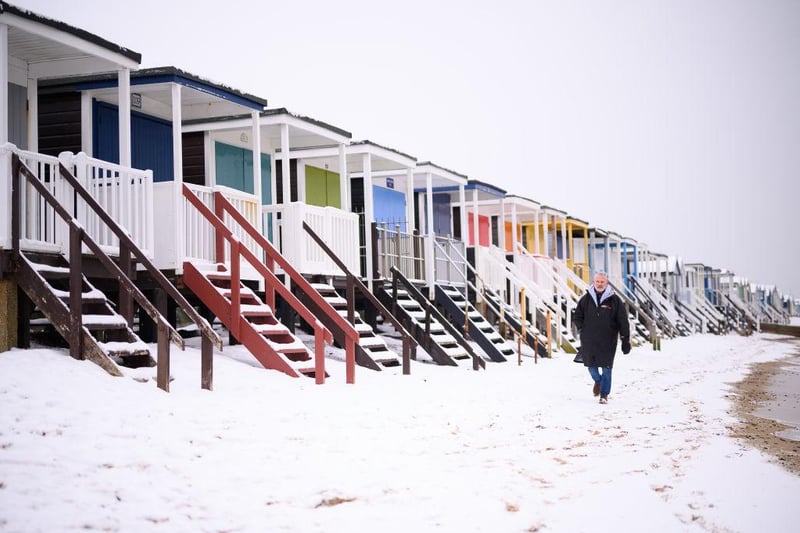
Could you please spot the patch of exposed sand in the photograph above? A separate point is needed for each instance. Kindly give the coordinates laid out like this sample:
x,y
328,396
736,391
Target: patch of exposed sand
x,y
772,387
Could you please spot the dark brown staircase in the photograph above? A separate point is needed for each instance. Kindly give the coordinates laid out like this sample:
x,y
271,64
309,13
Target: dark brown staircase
x,y
371,349
76,309
104,334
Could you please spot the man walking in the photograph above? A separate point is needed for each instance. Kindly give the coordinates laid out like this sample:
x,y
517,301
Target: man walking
x,y
600,318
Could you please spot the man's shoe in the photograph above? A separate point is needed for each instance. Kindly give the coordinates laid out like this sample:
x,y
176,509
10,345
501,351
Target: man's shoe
x,y
603,399
596,389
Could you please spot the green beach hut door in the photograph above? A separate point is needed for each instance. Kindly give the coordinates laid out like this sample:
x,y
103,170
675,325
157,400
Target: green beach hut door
x,y
322,187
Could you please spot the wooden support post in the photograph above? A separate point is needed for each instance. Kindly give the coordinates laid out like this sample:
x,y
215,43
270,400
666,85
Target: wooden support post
x,y
406,356
11,314
236,288
126,296
162,360
549,335
206,363
319,355
350,296
75,292
522,312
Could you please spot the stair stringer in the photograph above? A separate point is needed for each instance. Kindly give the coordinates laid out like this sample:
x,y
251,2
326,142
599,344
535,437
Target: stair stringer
x,y
533,337
434,349
477,323
44,297
248,336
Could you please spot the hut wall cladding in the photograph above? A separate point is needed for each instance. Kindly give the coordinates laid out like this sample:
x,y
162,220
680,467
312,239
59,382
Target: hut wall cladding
x,y
194,162
60,123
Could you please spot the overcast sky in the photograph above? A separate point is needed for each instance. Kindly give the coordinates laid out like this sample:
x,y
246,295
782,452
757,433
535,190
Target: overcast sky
x,y
676,123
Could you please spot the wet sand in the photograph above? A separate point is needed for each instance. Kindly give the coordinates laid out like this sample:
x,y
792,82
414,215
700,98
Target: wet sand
x,y
767,403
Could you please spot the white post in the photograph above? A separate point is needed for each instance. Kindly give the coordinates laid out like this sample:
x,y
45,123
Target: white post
x,y
546,235
429,236
476,234
285,166
536,232
368,214
256,134
87,126
564,250
344,181
410,201
501,231
124,76
4,84
177,171
462,203
514,236
33,115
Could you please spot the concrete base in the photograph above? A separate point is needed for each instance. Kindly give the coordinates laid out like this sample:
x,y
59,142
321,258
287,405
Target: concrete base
x,y
8,314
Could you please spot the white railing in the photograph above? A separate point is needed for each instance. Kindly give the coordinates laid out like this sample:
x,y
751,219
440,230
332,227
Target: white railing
x,y
664,304
490,262
339,230
199,242
536,268
450,260
126,194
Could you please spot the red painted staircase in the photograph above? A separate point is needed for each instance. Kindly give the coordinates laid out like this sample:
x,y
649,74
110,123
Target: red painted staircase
x,y
250,320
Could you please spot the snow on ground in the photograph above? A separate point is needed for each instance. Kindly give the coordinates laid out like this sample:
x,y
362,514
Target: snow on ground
x,y
511,448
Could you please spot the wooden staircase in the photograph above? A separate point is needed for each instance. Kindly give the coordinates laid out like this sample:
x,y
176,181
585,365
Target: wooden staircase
x,y
273,344
250,320
371,349
104,336
533,337
82,314
469,319
443,342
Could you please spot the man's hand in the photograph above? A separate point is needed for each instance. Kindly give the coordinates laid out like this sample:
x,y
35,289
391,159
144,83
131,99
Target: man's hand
x,y
626,346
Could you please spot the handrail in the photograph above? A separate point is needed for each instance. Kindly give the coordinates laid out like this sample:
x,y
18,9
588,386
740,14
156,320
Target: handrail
x,y
640,313
158,276
79,235
273,255
490,303
321,333
657,306
431,309
409,342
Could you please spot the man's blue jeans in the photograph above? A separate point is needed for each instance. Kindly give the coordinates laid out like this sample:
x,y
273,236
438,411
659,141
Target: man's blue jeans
x,y
603,378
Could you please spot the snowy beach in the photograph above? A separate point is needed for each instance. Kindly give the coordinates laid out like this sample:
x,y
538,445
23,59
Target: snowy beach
x,y
512,448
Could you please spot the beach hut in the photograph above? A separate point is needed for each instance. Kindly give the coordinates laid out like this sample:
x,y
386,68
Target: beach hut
x,y
73,224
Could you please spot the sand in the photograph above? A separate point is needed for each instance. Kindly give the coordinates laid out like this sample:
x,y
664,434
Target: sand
x,y
767,403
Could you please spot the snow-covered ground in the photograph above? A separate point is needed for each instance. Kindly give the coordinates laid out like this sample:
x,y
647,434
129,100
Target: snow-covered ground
x,y
513,448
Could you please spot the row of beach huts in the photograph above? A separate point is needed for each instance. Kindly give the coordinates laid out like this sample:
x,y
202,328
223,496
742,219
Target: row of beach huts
x,y
143,206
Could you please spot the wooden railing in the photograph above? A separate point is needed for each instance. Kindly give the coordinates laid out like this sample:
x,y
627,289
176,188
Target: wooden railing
x,y
431,311
129,253
353,283
265,268
401,250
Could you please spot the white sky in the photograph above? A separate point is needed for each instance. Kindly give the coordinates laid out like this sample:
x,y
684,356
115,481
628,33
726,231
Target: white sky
x,y
511,448
675,123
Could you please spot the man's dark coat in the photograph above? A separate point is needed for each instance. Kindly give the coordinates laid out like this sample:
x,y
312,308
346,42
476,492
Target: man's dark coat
x,y
600,325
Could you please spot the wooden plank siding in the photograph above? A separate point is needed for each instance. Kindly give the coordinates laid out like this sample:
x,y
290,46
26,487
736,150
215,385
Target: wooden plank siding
x,y
59,123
